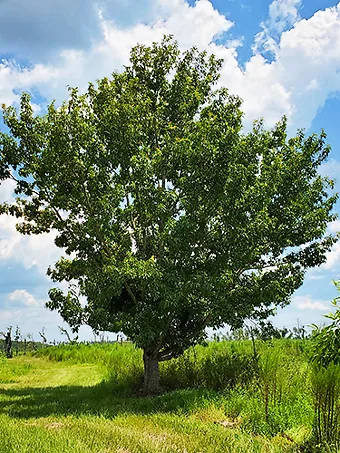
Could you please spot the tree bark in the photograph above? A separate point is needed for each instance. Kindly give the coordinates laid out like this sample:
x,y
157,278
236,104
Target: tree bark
x,y
151,384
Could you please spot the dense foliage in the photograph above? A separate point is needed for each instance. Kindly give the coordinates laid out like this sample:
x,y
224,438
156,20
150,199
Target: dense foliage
x,y
173,218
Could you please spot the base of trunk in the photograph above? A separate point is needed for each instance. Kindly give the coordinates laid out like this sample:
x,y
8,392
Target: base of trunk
x,y
151,384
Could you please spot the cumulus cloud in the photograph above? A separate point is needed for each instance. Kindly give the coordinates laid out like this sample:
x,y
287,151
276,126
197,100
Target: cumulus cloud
x,y
307,303
303,71
310,62
334,227
31,320
31,251
40,29
297,81
7,191
27,310
9,237
23,297
332,258
282,15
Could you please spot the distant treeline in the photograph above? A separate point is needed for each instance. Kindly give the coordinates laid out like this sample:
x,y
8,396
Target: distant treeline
x,y
14,343
21,347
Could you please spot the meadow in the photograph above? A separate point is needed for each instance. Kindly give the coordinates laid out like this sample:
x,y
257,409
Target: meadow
x,y
219,397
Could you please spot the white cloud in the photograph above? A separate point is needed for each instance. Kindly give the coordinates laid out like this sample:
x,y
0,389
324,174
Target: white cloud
x,y
9,237
332,258
38,250
196,25
31,319
308,57
34,250
205,23
24,297
303,74
307,63
6,191
283,13
331,168
334,227
307,303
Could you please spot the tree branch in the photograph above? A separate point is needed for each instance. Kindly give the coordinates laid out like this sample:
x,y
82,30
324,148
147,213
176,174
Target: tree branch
x,y
129,290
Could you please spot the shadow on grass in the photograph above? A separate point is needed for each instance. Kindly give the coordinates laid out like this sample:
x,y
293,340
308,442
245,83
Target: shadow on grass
x,y
102,399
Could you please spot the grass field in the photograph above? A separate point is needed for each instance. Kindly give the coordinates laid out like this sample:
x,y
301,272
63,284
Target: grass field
x,y
77,399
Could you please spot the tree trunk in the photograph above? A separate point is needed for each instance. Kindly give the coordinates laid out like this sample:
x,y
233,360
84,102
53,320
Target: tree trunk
x,y
8,345
151,384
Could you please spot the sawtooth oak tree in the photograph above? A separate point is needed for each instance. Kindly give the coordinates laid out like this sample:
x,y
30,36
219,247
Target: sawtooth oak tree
x,y
171,217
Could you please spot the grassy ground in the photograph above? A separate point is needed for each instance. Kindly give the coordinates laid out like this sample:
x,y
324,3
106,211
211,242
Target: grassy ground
x,y
63,407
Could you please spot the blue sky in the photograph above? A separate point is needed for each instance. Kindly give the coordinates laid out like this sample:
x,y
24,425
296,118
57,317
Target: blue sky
x,y
282,57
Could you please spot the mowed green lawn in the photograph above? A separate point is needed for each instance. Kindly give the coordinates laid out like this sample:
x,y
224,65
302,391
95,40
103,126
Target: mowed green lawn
x,y
54,407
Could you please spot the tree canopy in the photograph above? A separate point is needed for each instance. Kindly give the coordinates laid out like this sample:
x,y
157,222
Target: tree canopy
x,y
172,217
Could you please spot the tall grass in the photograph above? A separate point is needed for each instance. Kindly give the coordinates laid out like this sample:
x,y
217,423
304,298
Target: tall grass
x,y
9,372
122,362
218,366
268,391
326,398
271,391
